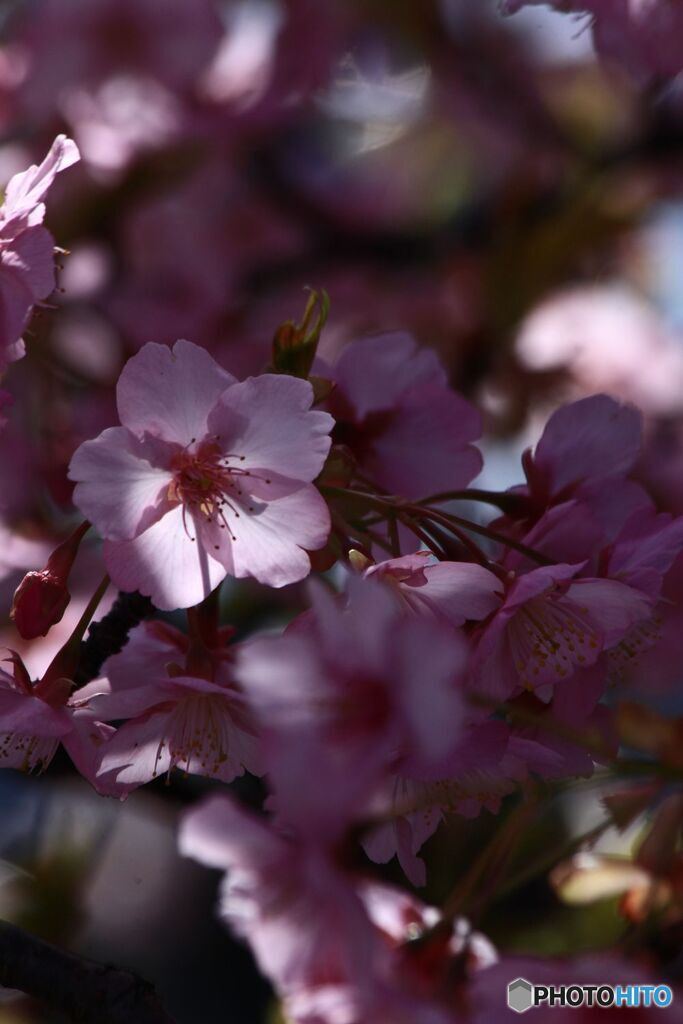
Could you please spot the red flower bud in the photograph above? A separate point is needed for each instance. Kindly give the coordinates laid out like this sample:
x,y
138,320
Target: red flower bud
x,y
42,597
40,600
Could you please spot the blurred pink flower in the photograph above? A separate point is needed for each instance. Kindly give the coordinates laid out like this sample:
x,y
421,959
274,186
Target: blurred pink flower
x,y
348,697
608,339
336,948
645,37
409,432
300,914
27,272
124,117
207,476
164,39
173,717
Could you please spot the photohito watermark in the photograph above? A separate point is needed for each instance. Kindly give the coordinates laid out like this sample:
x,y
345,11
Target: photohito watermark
x,y
523,995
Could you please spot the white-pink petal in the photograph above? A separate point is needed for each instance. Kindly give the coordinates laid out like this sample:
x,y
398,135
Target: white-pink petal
x,y
117,488
271,543
164,563
170,392
268,423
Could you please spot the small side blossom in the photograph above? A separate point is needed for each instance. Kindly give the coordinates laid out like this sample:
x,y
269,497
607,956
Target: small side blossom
x,y
550,626
35,717
408,430
206,477
173,717
585,445
452,591
473,777
27,273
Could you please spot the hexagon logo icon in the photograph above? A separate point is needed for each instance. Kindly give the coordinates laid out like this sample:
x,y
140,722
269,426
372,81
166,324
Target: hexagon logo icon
x,y
520,995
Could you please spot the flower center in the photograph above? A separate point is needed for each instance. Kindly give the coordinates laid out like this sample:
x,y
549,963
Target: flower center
x,y
211,484
550,637
198,735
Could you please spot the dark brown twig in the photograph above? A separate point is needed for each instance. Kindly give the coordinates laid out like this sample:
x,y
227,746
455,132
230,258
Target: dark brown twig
x,y
84,991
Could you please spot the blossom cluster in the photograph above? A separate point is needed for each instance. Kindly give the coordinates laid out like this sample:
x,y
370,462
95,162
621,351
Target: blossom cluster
x,y
443,654
445,663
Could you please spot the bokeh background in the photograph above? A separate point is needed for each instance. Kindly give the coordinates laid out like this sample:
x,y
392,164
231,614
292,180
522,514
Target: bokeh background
x,y
481,181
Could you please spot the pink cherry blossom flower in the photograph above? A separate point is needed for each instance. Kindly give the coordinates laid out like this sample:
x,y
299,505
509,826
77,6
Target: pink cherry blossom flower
x,y
206,476
452,591
299,913
409,432
550,626
173,717
584,445
336,949
348,696
36,717
472,777
27,248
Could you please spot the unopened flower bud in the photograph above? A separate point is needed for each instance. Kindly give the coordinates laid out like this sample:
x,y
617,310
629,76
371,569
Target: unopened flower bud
x,y
295,345
42,597
40,600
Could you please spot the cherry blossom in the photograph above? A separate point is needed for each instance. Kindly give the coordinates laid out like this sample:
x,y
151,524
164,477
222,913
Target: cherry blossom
x,y
27,272
351,694
36,717
206,476
409,432
584,444
335,947
453,591
550,626
172,716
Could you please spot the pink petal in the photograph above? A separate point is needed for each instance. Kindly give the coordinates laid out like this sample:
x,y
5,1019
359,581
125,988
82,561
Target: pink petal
x,y
30,716
16,301
219,834
136,753
151,646
459,591
614,606
165,564
107,704
268,423
26,191
118,489
170,392
271,543
594,437
373,373
424,445
32,255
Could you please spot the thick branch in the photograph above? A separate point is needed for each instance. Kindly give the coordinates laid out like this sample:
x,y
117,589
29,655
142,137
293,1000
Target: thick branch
x,y
110,634
85,991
